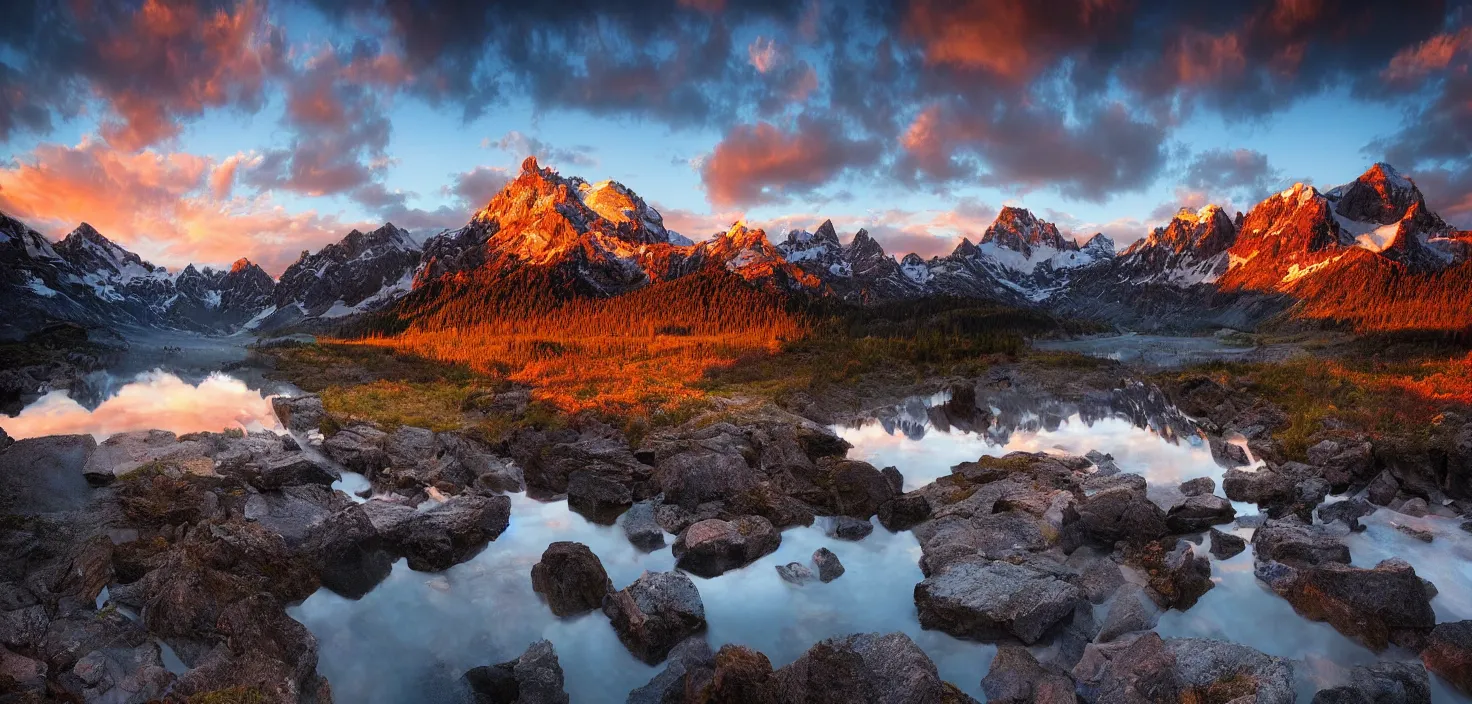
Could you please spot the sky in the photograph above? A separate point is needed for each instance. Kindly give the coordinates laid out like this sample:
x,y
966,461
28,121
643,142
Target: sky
x,y
209,130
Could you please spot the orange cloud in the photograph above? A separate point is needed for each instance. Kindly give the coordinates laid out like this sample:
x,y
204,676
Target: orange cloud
x,y
171,208
1434,54
1013,39
761,163
153,400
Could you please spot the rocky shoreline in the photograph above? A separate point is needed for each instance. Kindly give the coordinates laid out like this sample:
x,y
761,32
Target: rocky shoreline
x,y
119,557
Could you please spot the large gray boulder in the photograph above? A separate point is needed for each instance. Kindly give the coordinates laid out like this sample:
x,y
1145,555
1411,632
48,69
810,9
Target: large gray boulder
x,y
655,613
711,547
299,414
571,578
44,475
866,667
445,535
984,599
533,678
1294,543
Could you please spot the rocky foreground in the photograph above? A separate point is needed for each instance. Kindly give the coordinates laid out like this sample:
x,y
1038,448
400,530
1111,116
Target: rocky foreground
x,y
114,555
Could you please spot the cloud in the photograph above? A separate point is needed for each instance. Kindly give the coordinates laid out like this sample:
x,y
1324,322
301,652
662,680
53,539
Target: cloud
x,y
762,163
698,226
1228,173
521,146
163,205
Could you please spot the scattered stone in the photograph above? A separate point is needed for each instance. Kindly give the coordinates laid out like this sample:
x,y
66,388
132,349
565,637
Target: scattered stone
x,y
829,568
1099,579
846,528
1119,514
740,675
1199,512
359,448
300,414
1132,610
1313,491
1293,543
904,512
1226,545
600,499
984,599
1179,576
641,527
1349,512
1262,486
445,535
865,667
1199,486
1448,653
1383,489
655,613
1215,670
1381,683
1016,677
713,546
571,578
795,572
1424,536
1379,606
290,469
534,678
690,664
1415,507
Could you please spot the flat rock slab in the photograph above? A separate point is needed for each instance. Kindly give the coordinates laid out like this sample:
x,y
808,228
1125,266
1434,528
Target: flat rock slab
x,y
44,475
983,599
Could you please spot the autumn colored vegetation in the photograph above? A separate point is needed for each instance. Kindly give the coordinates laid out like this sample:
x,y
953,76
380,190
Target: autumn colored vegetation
x,y
1373,294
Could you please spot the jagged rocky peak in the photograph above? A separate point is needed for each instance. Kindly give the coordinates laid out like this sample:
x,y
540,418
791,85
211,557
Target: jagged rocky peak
x,y
1100,245
1204,232
90,251
621,206
1298,219
1380,195
1019,230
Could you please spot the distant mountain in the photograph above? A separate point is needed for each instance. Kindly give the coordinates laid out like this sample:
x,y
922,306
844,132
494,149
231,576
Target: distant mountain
x,y
1369,254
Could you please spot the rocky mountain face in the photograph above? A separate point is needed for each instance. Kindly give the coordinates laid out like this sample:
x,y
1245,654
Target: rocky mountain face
x,y
1203,268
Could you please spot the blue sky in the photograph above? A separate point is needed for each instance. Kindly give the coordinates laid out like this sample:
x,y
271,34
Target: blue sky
x,y
207,130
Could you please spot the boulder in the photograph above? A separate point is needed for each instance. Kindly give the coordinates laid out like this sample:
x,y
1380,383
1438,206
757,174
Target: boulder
x,y
795,573
1177,573
1381,683
829,568
740,675
846,528
1199,512
1448,653
1132,610
1226,545
358,448
350,552
1145,669
904,512
447,534
1261,486
295,512
712,547
599,498
641,527
1414,507
1379,606
1294,543
655,613
548,462
533,678
1099,579
1200,486
1382,489
1121,514
299,414
1134,670
571,578
690,665
1016,677
1349,512
844,488
119,674
865,667
984,599
1215,670
124,453
289,469
44,475
699,474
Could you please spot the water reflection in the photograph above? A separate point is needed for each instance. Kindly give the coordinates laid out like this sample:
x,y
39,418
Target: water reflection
x,y
153,399
411,637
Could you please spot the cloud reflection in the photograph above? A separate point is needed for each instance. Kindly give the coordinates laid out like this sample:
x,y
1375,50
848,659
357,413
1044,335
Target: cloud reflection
x,y
154,399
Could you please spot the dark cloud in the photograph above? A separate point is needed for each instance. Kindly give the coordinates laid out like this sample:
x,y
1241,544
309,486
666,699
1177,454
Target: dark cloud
x,y
1243,173
520,146
762,163
477,186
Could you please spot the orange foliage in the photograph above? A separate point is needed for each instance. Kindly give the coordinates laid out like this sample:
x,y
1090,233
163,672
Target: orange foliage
x,y
1371,293
640,353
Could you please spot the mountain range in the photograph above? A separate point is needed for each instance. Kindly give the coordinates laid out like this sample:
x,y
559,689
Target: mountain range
x,y
1368,254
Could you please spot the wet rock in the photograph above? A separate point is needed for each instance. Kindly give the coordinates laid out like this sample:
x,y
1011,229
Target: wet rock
x,y
359,448
712,466
300,414
1119,514
548,463
125,453
984,599
712,547
350,553
447,534
865,667
740,675
1381,683
291,469
845,528
127,674
844,488
641,527
1136,670
1133,482
534,678
1383,489
1312,491
1132,610
1415,507
1199,486
1099,579
1016,677
1104,465
896,480
904,512
655,613
44,475
1179,575
465,462
26,676
571,578
1349,512
1197,513
1262,486
795,572
261,648
293,513
691,663
1215,670
829,568
1293,543
1448,653
599,498
1424,536
1379,606
1226,545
